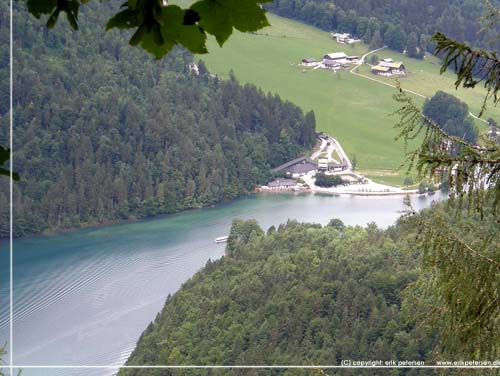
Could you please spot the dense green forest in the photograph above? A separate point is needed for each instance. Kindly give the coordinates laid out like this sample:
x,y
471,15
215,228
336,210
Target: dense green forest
x,y
306,294
303,294
104,132
399,24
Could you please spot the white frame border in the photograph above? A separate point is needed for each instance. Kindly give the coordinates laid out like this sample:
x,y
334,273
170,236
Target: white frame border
x,y
12,367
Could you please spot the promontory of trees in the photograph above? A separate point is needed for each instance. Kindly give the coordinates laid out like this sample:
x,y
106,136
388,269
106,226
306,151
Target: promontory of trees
x,y
302,295
402,25
309,295
103,132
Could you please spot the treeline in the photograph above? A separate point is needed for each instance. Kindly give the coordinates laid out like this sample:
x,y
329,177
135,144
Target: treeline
x,y
302,295
399,24
103,132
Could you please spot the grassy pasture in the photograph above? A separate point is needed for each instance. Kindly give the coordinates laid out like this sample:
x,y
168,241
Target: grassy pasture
x,y
352,109
423,77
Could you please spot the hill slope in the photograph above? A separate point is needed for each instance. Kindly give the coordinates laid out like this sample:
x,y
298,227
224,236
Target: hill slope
x,y
300,295
354,109
306,295
103,132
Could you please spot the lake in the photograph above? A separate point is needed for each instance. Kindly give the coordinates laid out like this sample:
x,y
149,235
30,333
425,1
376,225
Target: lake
x,y
84,297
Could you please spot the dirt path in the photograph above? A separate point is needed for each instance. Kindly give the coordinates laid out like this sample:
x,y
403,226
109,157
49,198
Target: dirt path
x,y
361,61
321,148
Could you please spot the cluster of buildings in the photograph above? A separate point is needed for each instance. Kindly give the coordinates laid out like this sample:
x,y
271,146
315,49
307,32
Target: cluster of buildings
x,y
388,67
300,167
333,61
340,60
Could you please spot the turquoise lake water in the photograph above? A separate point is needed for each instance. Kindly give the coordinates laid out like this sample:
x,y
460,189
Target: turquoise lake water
x,y
84,297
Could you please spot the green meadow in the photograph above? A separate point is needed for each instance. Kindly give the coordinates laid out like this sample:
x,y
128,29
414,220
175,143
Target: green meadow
x,y
352,109
423,77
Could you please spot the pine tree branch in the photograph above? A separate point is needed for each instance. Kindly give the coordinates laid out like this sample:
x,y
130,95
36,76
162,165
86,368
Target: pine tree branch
x,y
470,65
459,290
469,168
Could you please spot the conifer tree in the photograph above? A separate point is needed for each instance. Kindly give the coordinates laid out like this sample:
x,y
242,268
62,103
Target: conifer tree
x,y
459,286
412,45
376,41
422,45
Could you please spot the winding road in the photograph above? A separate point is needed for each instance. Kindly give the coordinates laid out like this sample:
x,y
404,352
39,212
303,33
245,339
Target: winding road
x,y
361,61
331,145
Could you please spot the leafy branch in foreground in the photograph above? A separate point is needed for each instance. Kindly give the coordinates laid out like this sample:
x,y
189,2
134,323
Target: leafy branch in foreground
x,y
473,171
159,27
470,65
4,157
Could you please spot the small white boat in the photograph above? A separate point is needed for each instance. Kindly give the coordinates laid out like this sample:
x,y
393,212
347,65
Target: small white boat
x,y
222,239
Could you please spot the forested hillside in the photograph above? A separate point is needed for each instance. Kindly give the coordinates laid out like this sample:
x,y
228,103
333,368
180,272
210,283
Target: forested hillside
x,y
104,132
300,295
400,24
306,295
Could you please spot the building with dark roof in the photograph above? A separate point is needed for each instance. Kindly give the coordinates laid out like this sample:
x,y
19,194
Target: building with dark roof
x,y
310,61
299,166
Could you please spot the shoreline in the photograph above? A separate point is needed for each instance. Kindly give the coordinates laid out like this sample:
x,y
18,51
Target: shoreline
x,y
109,222
257,190
413,192
328,158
